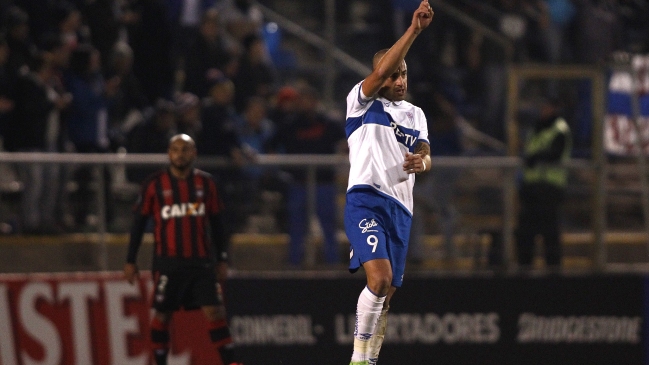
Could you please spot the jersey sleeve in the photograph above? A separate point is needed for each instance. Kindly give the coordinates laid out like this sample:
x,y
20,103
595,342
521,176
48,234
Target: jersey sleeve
x,y
357,102
422,126
357,106
220,234
146,199
142,210
213,203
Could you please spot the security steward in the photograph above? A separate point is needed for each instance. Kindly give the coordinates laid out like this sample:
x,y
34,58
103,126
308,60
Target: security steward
x,y
547,150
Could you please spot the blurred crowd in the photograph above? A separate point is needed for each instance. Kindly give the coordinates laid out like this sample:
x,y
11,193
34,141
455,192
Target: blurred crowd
x,y
468,66
96,76
125,75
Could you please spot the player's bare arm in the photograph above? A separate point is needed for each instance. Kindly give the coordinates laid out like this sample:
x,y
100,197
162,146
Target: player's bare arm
x,y
419,161
422,149
131,272
387,65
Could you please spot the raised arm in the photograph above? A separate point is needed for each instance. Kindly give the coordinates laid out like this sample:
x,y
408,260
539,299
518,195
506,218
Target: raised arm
x,y
384,67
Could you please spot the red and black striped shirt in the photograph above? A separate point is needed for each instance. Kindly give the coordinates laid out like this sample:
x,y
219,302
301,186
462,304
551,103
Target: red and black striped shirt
x,y
182,210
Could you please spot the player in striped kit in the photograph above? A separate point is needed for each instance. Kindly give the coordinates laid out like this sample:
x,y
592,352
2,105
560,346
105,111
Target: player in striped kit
x,y
183,202
388,144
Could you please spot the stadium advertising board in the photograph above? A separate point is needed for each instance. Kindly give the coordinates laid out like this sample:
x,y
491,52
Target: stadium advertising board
x,y
89,318
100,319
454,321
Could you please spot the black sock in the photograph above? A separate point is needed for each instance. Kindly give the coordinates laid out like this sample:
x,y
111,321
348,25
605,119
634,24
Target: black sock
x,y
227,354
159,341
160,356
220,336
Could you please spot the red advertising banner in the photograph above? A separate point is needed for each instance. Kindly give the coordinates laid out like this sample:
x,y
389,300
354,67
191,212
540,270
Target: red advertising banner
x,y
302,318
90,318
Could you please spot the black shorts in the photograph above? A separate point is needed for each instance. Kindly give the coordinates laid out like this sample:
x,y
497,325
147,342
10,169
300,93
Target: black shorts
x,y
187,288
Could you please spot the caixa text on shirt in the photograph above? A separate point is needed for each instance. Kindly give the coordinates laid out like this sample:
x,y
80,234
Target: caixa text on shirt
x,y
182,210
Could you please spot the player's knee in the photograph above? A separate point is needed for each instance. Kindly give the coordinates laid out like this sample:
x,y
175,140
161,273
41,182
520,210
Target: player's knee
x,y
380,284
163,317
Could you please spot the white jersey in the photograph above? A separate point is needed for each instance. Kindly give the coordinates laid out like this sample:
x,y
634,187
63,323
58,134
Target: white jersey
x,y
379,134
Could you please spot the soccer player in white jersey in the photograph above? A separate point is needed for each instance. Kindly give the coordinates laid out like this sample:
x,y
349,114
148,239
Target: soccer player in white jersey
x,y
388,145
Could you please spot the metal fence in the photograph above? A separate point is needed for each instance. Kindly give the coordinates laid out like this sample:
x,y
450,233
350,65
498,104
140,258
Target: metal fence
x,y
503,180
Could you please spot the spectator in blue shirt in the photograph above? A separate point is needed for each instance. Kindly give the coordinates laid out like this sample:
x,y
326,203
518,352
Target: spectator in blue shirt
x,y
87,121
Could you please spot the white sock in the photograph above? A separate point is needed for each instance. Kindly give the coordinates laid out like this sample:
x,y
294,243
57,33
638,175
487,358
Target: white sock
x,y
379,334
368,311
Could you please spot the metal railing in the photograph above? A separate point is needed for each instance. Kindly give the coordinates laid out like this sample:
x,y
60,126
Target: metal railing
x,y
508,166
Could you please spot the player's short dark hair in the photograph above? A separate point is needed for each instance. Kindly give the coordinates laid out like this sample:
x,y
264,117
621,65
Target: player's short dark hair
x,y
377,57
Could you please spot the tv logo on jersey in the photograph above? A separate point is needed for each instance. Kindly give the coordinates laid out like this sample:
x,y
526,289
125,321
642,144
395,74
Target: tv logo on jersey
x,y
182,210
405,136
